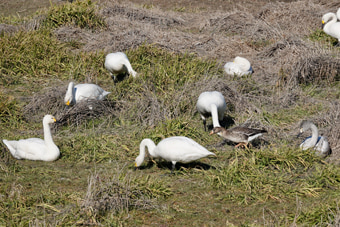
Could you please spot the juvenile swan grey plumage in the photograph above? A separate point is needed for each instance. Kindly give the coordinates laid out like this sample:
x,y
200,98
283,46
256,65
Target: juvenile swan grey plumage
x,y
173,149
35,148
318,143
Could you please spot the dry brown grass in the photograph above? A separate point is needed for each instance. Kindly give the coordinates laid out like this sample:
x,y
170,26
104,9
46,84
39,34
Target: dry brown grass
x,y
115,195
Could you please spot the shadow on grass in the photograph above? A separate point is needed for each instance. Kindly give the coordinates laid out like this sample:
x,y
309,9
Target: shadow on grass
x,y
179,166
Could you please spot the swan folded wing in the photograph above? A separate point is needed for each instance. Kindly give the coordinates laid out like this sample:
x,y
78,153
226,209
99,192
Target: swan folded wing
x,y
89,91
231,68
32,148
334,30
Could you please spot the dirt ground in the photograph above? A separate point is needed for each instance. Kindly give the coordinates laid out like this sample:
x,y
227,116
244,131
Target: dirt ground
x,y
271,34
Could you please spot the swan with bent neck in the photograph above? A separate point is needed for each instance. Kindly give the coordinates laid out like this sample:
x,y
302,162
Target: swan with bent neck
x,y
118,64
330,25
36,148
173,149
211,103
318,143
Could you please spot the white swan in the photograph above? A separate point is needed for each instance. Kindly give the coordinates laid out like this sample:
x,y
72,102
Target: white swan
x,y
118,64
35,148
330,25
318,143
211,103
173,149
240,67
81,92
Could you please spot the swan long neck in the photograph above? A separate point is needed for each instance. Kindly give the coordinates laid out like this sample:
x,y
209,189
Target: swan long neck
x,y
315,135
129,68
150,145
214,115
329,19
47,133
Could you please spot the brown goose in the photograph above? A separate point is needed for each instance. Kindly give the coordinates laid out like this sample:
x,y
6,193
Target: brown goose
x,y
239,134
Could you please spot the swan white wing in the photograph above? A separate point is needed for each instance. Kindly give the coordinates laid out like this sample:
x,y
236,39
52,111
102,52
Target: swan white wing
x,y
114,62
89,91
181,149
32,148
206,99
306,144
322,146
334,30
231,68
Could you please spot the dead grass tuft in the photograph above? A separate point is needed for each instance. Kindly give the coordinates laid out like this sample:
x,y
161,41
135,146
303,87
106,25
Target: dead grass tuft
x,y
317,69
90,109
116,195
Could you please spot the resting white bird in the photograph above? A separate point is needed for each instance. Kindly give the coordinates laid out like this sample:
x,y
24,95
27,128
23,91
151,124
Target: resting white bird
x,y
35,148
240,67
330,25
211,103
118,64
80,92
173,149
318,143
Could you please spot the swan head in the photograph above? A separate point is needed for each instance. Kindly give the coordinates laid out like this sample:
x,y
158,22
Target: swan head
x,y
69,94
139,160
49,119
305,125
328,16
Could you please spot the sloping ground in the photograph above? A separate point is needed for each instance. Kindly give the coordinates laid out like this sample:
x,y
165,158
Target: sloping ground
x,y
273,36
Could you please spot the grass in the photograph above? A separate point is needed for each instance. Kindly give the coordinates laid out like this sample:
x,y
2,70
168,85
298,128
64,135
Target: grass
x,y
94,181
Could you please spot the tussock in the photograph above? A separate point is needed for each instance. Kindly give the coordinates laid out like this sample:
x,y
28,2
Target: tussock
x,y
317,69
52,102
115,196
49,102
90,109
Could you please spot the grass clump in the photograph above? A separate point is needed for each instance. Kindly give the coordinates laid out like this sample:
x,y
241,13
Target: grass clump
x,y
10,111
79,13
278,175
121,193
39,55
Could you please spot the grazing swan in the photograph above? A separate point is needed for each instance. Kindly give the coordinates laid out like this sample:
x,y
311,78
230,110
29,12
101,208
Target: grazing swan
x,y
211,103
36,148
319,143
118,64
173,149
331,26
240,67
240,135
81,92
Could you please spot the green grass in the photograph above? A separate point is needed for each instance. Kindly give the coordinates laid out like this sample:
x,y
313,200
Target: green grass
x,y
79,13
320,36
94,181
